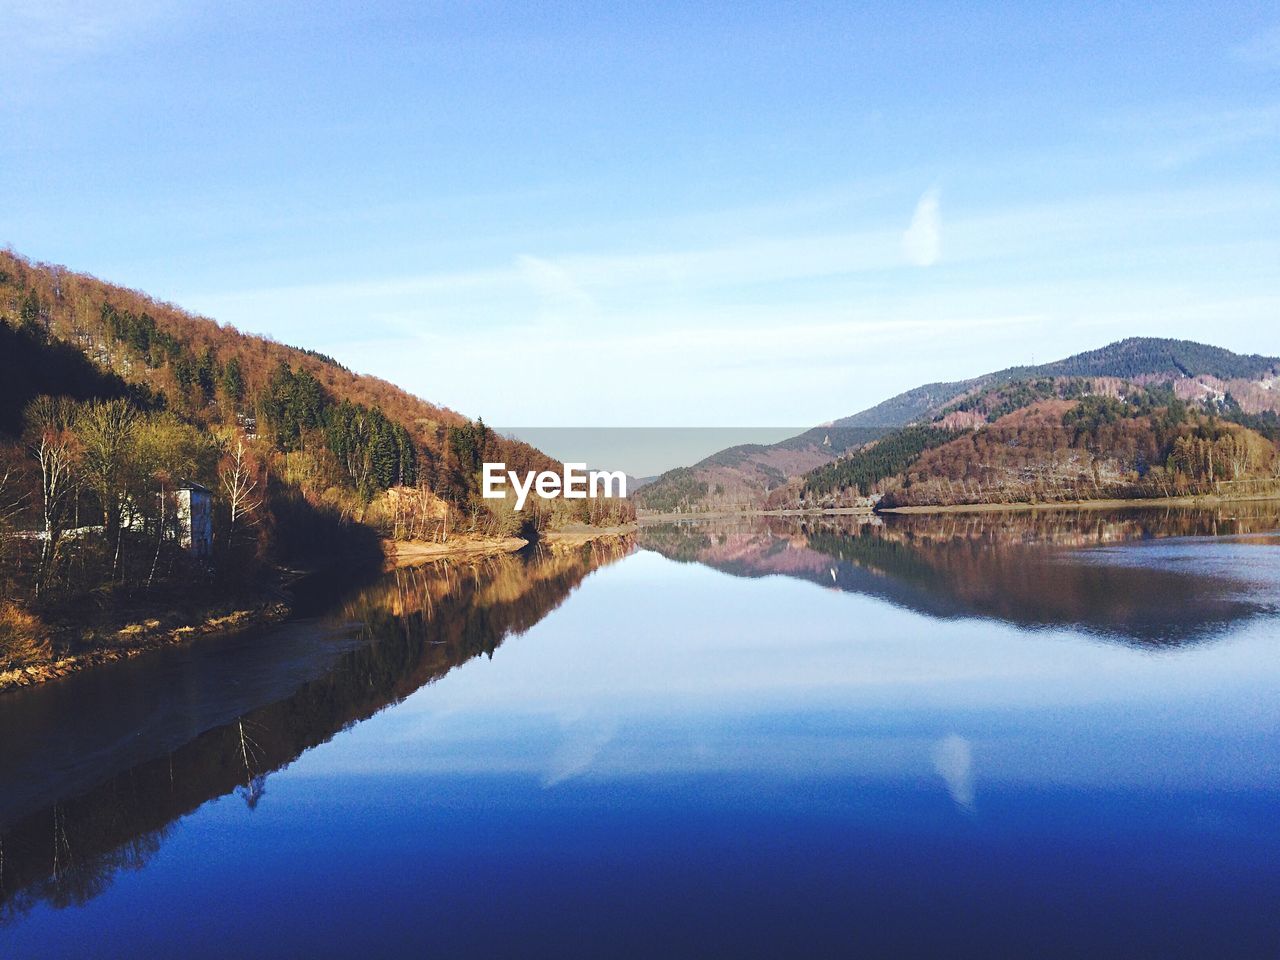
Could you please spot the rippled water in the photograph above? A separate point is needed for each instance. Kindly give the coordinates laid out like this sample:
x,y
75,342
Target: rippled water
x,y
1035,735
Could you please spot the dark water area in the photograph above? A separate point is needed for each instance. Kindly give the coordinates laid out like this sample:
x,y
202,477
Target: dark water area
x,y
1049,734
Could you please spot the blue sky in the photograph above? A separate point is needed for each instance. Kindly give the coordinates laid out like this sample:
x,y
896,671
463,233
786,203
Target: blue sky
x,y
659,214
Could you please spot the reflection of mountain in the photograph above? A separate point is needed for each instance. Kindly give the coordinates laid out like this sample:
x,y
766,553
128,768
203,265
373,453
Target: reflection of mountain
x,y
1030,569
417,624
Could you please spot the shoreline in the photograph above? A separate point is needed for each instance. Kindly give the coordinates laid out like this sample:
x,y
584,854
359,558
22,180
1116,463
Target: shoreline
x,y
152,634
1209,500
139,638
732,514
1108,503
654,518
577,536
401,553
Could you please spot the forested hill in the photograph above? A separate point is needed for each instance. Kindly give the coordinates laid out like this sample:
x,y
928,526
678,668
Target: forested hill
x,y
1137,358
856,455
1069,437
158,471
352,431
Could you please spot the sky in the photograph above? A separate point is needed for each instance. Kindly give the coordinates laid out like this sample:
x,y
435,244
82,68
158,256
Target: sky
x,y
662,214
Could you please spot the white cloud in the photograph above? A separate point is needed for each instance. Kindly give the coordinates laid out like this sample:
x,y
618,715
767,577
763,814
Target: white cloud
x,y
818,317
561,296
922,241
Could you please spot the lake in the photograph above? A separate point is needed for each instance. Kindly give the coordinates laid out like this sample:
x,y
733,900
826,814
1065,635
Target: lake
x,y
1040,734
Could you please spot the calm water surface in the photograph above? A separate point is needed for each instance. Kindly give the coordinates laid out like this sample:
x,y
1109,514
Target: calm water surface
x,y
1045,735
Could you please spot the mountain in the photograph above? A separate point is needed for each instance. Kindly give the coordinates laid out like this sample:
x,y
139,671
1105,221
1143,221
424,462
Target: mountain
x,y
1138,359
903,427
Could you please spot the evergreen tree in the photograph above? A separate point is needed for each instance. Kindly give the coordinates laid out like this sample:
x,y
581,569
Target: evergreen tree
x,y
29,312
207,375
233,381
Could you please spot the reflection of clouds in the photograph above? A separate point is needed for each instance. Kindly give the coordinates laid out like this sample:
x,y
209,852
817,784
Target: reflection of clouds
x,y
953,759
584,738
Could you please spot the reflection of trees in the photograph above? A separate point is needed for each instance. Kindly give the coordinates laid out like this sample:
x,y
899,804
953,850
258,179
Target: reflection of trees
x,y
682,541
419,623
1016,567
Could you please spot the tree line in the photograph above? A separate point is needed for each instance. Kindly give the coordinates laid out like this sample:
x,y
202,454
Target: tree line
x,y
90,526
863,469
217,376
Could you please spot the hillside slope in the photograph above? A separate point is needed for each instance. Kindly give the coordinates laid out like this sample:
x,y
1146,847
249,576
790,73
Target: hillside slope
x,y
1060,439
1137,358
214,374
756,476
160,473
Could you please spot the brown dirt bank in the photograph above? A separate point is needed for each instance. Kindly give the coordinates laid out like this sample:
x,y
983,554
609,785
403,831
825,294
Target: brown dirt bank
x,y
406,552
576,536
402,552
136,638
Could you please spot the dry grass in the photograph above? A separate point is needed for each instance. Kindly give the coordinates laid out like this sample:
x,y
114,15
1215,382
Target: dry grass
x,y
24,638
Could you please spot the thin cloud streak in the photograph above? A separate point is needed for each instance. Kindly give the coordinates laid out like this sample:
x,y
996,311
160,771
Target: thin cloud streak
x,y
56,31
1087,223
728,315
922,241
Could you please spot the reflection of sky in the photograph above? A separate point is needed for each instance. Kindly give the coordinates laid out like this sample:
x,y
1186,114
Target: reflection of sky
x,y
678,762
1251,560
654,668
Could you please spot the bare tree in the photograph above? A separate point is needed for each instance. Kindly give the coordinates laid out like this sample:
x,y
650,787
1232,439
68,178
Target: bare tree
x,y
49,420
107,430
12,498
240,485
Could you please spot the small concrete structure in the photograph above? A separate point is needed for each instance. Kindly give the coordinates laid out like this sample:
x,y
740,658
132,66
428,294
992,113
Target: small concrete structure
x,y
195,518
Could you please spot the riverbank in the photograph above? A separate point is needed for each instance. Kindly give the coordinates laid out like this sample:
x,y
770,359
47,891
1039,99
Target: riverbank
x,y
87,648
1111,503
137,638
571,537
1107,504
408,552
646,519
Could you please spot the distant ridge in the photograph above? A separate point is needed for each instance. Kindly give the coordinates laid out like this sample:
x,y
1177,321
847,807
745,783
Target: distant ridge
x,y
742,475
1135,357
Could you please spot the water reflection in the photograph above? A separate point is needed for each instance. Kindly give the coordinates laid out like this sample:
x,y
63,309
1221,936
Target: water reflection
x,y
683,763
1117,574
414,626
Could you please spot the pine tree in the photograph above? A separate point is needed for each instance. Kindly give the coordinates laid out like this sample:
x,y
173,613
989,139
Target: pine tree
x,y
233,382
29,312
